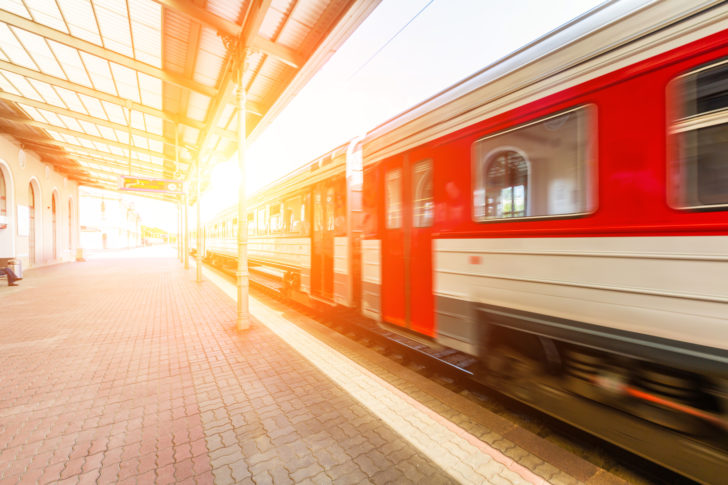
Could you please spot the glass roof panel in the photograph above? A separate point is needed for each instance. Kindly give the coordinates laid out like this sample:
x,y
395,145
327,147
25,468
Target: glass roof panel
x,y
79,16
68,139
197,106
140,141
103,147
46,12
71,62
6,85
93,106
48,116
102,78
32,112
13,49
151,90
154,124
107,132
115,112
147,44
190,136
114,26
137,120
23,86
89,128
121,135
71,100
37,48
16,7
146,13
70,123
126,81
157,146
48,93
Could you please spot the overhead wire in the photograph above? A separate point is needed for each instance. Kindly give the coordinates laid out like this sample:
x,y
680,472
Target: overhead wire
x,y
378,51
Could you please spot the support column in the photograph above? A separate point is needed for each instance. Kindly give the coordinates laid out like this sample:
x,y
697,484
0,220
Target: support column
x,y
198,252
187,238
179,232
243,320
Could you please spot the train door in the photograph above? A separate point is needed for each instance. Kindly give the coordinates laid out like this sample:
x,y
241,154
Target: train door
x,y
31,225
407,298
55,226
322,241
421,296
394,248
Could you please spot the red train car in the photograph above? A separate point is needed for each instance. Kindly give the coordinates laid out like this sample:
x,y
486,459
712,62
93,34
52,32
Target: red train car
x,y
562,216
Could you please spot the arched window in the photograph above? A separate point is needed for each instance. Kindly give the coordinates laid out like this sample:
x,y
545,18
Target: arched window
x,y
55,226
506,185
3,202
31,223
70,223
540,169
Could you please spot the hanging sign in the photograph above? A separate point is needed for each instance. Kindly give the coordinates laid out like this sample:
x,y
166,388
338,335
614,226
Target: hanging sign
x,y
142,184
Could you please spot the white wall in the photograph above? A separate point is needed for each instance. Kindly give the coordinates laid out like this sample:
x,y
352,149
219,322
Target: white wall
x,y
47,181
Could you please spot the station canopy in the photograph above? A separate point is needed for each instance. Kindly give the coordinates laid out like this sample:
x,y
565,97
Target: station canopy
x,y
104,88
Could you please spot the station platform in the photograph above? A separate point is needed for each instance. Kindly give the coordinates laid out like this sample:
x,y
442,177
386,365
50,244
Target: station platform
x,y
123,369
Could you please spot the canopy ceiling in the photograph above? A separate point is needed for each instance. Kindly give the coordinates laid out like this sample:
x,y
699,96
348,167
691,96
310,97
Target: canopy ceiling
x,y
94,86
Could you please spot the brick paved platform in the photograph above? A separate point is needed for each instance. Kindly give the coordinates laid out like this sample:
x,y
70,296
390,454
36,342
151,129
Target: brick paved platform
x,y
124,370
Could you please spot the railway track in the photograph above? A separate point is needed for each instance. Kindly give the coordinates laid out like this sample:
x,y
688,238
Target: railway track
x,y
456,371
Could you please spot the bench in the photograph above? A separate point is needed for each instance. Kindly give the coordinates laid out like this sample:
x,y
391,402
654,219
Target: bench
x,y
4,264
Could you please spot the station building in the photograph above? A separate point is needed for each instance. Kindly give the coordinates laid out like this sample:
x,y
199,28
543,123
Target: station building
x,y
38,209
108,220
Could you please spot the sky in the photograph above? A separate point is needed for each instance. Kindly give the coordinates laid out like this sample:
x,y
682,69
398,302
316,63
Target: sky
x,y
403,53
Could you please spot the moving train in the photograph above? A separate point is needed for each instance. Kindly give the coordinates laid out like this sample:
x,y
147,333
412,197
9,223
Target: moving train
x,y
561,215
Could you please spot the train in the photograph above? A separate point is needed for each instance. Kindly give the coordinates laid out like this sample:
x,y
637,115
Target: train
x,y
560,215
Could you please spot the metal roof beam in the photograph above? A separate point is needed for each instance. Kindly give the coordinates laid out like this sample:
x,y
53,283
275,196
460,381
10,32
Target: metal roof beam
x,y
94,93
103,53
202,16
81,116
254,17
112,164
75,167
80,134
225,27
73,149
280,52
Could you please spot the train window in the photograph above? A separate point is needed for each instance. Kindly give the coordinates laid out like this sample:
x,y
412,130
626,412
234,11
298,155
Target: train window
x,y
340,211
541,169
251,224
330,214
318,212
293,217
262,222
422,188
393,199
370,205
306,214
699,139
276,219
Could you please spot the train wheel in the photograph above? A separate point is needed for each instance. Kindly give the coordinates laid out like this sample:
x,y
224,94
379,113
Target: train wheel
x,y
674,387
511,371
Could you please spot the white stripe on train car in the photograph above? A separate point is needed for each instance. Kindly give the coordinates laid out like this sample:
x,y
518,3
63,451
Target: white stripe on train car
x,y
656,286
